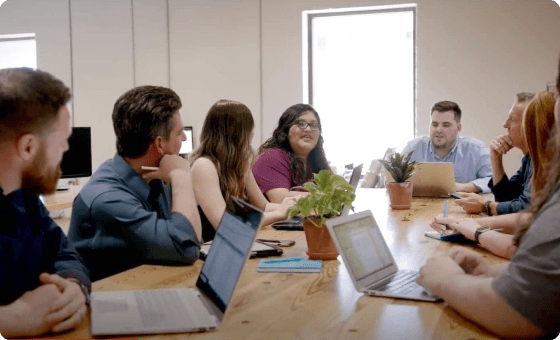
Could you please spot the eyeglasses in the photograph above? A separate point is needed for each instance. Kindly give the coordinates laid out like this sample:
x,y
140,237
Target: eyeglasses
x,y
302,124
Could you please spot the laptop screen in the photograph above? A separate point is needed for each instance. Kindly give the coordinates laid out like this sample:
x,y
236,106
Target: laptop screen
x,y
224,262
364,247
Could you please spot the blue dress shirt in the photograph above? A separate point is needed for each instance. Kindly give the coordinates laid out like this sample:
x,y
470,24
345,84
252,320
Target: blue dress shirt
x,y
470,158
119,222
31,243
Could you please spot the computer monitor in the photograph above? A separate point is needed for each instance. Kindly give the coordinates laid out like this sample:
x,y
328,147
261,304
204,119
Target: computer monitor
x,y
76,161
187,146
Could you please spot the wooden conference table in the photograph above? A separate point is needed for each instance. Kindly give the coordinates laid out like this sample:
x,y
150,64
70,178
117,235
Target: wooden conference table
x,y
320,305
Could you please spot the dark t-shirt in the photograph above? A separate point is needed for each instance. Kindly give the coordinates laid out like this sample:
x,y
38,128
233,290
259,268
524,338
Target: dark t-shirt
x,y
272,170
531,282
31,243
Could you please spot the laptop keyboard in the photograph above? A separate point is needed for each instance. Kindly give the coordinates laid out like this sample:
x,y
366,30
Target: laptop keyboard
x,y
162,307
402,283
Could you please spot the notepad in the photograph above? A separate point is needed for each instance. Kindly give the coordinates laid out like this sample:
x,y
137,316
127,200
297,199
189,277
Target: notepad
x,y
290,265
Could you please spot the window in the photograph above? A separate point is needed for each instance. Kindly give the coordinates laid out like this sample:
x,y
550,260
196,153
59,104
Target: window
x,y
18,50
359,74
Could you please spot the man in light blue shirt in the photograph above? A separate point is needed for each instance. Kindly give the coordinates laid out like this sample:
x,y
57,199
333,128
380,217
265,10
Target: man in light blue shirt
x,y
470,157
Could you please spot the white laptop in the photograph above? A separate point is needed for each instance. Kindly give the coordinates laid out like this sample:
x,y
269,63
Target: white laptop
x,y
369,260
296,223
184,309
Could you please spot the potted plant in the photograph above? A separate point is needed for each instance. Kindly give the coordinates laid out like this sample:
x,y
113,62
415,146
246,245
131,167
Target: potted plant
x,y
401,169
326,198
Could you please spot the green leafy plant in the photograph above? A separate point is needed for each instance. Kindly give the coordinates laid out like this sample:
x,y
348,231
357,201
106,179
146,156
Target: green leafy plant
x,y
399,166
326,198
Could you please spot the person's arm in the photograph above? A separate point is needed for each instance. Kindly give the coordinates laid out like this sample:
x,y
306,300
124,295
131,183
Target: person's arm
x,y
70,308
514,205
176,170
508,189
68,263
277,195
483,172
207,190
272,211
495,242
498,148
272,174
470,187
171,239
473,296
27,315
508,223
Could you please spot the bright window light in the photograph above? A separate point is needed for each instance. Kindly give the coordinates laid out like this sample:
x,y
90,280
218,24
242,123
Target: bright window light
x,y
18,50
359,70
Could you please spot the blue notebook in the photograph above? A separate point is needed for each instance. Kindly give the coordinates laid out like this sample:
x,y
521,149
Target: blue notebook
x,y
290,265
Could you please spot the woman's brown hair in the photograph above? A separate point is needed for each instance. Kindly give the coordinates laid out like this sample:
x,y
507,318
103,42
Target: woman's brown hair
x,y
543,196
226,140
538,122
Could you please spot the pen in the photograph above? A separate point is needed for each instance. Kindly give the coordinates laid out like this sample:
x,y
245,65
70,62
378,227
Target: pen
x,y
269,241
151,168
445,211
287,259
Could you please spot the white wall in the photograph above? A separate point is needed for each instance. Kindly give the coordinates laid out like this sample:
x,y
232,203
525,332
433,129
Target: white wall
x,y
478,53
214,48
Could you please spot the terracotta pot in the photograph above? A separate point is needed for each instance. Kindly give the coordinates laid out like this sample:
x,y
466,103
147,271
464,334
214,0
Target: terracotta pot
x,y
400,195
319,242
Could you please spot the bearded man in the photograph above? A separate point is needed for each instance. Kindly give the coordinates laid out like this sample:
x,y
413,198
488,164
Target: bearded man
x,y
43,282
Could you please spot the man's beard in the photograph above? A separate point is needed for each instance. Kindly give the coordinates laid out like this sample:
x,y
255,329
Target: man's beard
x,y
37,179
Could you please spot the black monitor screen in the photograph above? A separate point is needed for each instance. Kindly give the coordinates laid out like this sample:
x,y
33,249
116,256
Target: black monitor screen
x,y
76,162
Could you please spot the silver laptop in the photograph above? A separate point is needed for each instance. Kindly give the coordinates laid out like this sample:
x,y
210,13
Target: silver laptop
x,y
369,260
296,223
433,179
184,309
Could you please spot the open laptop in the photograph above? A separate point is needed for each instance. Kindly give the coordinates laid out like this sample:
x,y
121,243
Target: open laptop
x,y
296,223
183,309
369,260
435,179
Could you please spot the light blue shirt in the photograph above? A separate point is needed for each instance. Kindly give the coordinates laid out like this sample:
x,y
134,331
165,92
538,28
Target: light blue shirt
x,y
470,158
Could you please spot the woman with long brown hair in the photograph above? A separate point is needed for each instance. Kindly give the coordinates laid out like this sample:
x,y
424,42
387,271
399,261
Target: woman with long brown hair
x,y
538,125
221,167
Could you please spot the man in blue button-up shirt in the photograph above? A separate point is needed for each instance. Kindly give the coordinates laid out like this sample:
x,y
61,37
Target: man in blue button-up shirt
x,y
127,214
470,157
43,283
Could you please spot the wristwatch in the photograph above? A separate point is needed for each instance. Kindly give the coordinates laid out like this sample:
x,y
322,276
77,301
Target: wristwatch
x,y
488,208
87,294
480,230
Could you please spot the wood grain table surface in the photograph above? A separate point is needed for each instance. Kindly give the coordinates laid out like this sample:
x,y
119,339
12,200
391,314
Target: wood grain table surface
x,y
321,305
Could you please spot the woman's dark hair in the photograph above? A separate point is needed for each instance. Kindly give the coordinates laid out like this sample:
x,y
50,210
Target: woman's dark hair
x,y
280,140
226,140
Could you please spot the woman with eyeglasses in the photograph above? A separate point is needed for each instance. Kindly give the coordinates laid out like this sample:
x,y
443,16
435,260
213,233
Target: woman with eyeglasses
x,y
221,168
292,155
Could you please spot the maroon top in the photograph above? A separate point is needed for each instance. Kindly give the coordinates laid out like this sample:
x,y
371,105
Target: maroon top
x,y
272,170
